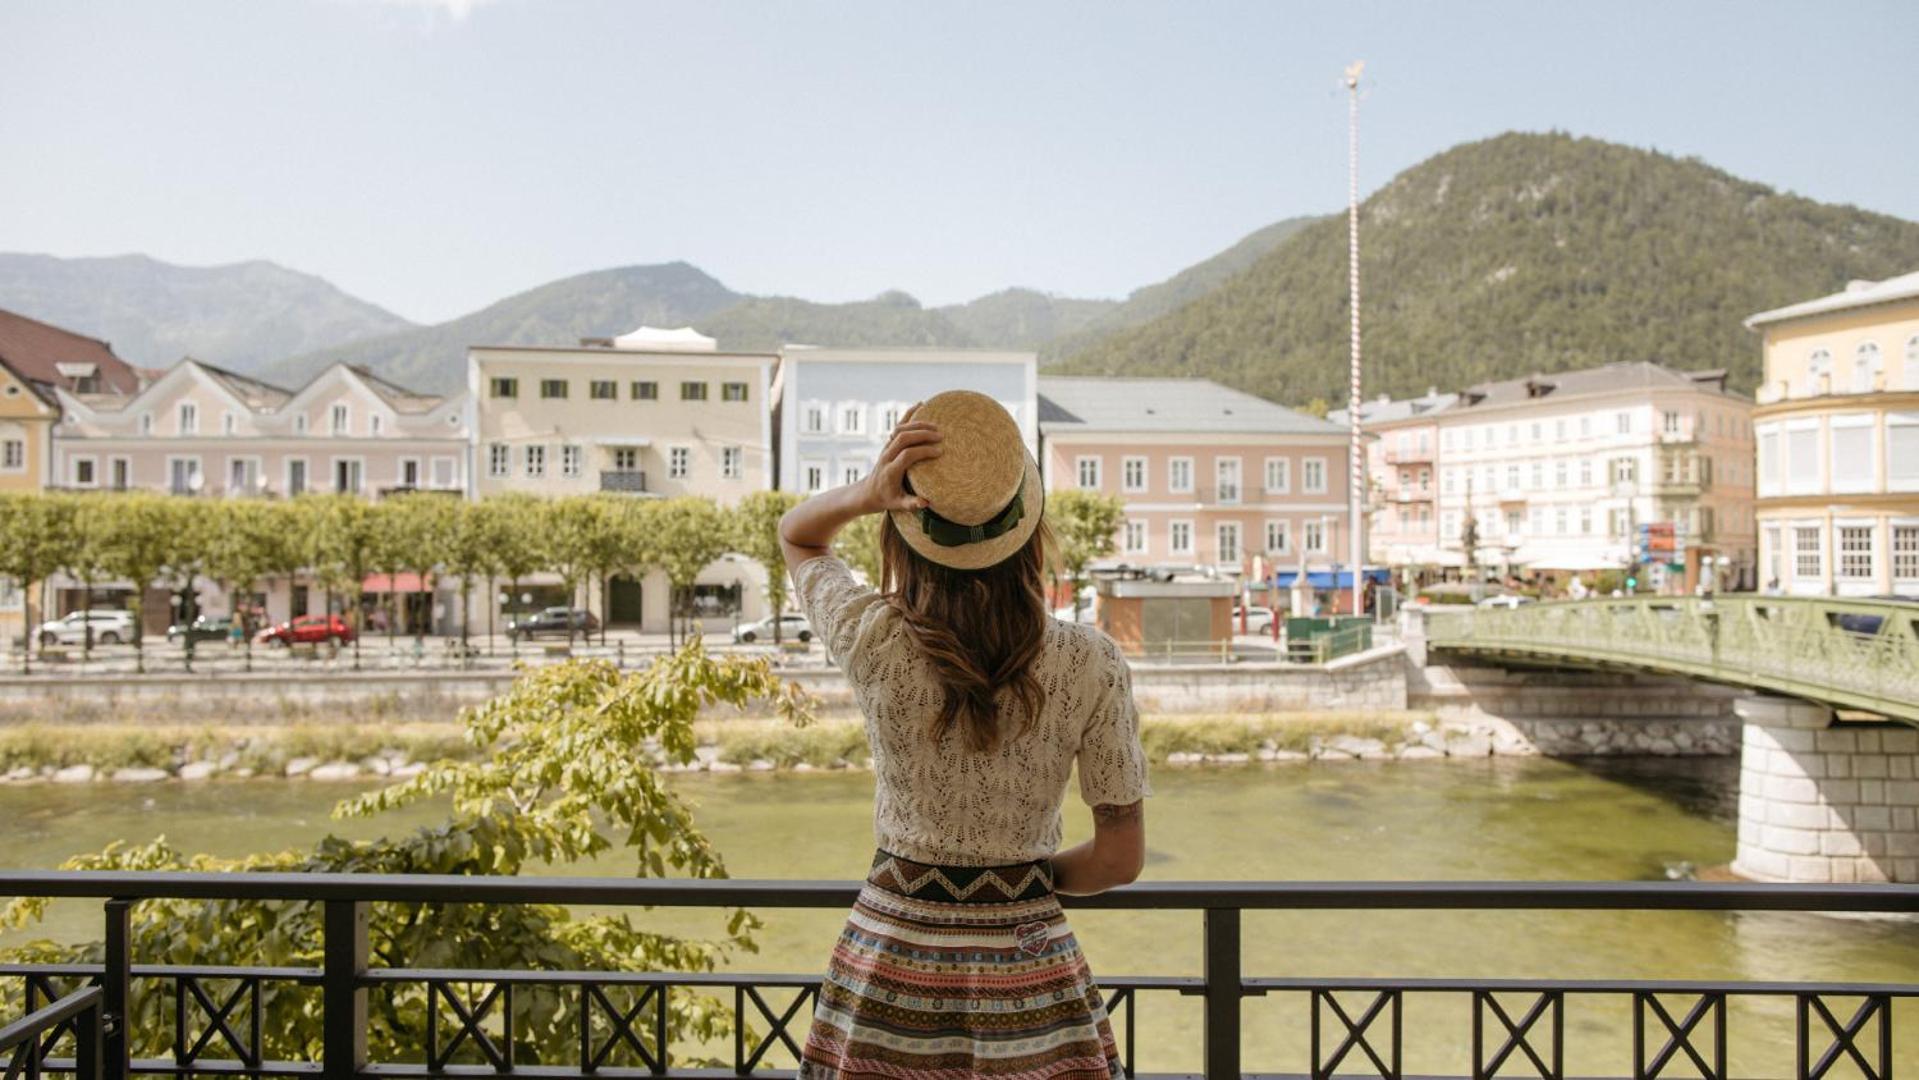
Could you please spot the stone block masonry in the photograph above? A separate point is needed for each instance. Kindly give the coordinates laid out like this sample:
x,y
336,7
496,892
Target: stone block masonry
x,y
1826,801
1579,714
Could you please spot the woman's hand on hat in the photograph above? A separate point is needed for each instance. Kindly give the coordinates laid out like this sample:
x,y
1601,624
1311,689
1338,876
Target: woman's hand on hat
x,y
912,442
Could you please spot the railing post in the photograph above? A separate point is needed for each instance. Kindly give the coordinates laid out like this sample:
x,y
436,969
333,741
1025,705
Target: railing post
x,y
343,1019
116,977
1222,993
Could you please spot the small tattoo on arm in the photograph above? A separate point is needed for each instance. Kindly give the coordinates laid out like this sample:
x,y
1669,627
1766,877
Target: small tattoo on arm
x,y
1108,814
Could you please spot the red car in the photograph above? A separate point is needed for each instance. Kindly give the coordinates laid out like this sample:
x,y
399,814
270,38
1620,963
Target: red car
x,y
308,628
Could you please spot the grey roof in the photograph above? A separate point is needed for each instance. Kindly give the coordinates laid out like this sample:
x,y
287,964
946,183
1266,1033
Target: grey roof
x,y
398,397
1387,410
1110,403
1856,294
1593,381
259,396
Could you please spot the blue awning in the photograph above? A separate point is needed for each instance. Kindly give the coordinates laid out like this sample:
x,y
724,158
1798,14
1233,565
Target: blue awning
x,y
1326,579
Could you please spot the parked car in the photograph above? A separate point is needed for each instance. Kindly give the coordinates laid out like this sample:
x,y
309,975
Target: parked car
x,y
1867,624
204,628
1259,619
1085,614
307,630
1510,601
793,627
109,628
552,620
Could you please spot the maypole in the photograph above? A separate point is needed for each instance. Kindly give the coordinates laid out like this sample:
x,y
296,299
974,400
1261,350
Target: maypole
x,y
1355,482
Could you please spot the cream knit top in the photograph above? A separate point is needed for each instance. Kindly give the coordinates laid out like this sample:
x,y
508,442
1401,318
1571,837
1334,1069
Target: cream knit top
x,y
937,802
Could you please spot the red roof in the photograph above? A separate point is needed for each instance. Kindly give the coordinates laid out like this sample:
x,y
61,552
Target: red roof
x,y
35,349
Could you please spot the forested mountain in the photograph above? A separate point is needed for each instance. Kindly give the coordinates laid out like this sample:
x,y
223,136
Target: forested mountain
x,y
241,316
600,304
1025,318
1516,254
764,323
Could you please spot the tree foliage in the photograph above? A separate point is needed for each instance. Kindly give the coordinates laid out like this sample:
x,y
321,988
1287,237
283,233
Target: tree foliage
x,y
1519,254
563,781
757,536
1085,525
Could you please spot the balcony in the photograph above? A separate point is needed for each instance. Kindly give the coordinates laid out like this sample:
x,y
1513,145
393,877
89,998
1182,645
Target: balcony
x,y
75,1016
632,481
1412,455
1410,494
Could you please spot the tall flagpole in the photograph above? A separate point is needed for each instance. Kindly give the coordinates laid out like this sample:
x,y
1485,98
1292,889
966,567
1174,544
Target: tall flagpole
x,y
1356,478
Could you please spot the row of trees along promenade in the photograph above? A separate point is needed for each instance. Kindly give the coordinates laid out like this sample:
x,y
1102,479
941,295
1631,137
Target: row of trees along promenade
x,y
150,540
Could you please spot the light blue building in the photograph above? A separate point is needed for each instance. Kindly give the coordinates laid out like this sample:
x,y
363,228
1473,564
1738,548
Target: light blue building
x,y
836,406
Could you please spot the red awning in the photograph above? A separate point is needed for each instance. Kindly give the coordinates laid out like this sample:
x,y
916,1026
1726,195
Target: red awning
x,y
381,583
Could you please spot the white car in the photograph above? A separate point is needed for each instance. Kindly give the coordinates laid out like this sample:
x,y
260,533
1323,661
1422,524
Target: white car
x,y
109,628
1084,615
1259,619
793,627
1512,601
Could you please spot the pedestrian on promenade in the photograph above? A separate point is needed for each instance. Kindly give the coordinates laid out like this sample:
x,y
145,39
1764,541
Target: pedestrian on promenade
x,y
957,960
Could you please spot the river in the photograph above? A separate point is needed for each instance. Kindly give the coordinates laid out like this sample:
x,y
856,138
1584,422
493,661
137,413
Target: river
x,y
1620,820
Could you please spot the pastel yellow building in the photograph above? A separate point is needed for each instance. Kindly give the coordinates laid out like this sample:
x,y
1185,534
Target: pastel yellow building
x,y
1837,428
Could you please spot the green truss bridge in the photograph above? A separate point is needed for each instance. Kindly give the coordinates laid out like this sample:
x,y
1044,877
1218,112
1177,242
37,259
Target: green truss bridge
x,y
1845,654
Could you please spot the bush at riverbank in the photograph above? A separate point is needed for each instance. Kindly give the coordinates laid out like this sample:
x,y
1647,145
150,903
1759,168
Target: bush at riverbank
x,y
31,750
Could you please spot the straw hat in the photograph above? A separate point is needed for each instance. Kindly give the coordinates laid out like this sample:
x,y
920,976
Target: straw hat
x,y
983,492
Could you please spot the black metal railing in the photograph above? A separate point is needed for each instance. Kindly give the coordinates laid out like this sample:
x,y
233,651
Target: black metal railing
x,y
1679,1027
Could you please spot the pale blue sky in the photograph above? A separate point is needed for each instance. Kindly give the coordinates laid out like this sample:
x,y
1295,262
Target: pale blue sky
x,y
435,155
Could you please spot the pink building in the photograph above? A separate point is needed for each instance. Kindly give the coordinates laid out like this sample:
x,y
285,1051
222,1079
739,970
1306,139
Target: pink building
x,y
1402,479
1210,476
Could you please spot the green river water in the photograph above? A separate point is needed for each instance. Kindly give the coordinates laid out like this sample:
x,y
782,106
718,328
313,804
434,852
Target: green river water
x,y
1498,819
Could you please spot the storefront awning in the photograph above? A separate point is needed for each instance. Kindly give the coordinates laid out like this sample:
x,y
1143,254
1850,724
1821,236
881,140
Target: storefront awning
x,y
397,583
1326,579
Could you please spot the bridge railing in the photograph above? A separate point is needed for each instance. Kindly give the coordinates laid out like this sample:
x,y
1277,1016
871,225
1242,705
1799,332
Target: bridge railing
x,y
1852,653
1356,1023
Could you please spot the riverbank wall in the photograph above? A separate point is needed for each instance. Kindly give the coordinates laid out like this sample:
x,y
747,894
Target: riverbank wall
x,y
1580,714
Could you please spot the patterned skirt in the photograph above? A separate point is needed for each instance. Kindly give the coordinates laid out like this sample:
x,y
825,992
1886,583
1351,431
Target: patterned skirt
x,y
948,972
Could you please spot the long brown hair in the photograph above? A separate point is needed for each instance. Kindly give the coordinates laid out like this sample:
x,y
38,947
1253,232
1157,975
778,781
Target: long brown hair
x,y
981,630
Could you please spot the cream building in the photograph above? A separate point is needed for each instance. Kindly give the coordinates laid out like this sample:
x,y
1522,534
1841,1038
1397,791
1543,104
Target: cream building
x,y
1402,482
1559,471
1838,442
649,414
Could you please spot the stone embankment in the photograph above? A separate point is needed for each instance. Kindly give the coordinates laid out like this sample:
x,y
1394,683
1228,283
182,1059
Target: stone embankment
x,y
388,765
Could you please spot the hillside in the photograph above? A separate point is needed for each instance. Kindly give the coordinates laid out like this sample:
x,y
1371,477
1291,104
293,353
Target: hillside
x,y
767,322
599,304
1025,318
1517,254
242,315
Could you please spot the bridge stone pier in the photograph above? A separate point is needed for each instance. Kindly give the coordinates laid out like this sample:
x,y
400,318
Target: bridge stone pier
x,y
1823,800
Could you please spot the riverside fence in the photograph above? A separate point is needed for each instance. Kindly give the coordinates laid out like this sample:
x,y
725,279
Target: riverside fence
x,y
74,1018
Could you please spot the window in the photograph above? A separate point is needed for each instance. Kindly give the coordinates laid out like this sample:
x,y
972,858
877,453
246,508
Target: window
x,y
409,472
552,388
852,417
375,424
570,458
1179,475
813,476
889,416
1802,457
1585,427
1316,536
299,424
119,473
183,475
1448,479
536,460
1226,479
499,458
1807,560
645,390
296,477
1559,521
1278,540
1559,473
442,473
1279,475
626,459
1135,538
692,391
229,423
501,386
13,454
851,471
1132,474
1852,458
348,475
1818,373
189,418
1313,475
1618,521
679,462
1226,536
340,420
813,418
1905,552
1512,478
1086,469
1669,422
733,391
1515,522
1179,537
1625,470
146,423
1585,521
1539,430
603,390
85,472
1425,479
1866,365
1911,380
1855,552
1585,472
732,462
1902,451
1622,423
